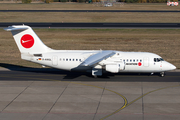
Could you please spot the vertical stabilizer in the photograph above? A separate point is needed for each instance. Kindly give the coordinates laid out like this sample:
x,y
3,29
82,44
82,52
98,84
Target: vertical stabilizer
x,y
27,40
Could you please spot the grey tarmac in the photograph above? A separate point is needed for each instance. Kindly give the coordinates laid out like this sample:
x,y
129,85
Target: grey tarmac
x,y
154,11
49,94
95,25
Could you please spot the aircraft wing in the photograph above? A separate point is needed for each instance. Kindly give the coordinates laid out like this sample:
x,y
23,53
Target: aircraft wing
x,y
94,59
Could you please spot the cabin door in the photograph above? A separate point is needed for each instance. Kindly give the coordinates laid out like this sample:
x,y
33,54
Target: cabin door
x,y
146,61
55,60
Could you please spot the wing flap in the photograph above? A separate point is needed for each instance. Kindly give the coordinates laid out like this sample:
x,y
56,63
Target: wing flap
x,y
94,59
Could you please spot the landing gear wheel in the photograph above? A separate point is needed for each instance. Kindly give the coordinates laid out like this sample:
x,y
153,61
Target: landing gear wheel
x,y
162,74
95,76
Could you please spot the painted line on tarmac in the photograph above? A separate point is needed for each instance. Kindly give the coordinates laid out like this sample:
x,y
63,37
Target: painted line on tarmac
x,y
124,98
126,104
151,92
15,98
138,99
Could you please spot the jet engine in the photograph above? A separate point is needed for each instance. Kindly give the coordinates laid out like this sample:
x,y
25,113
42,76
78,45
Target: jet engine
x,y
115,68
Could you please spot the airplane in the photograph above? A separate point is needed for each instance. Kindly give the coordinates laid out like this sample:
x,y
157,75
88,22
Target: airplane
x,y
97,62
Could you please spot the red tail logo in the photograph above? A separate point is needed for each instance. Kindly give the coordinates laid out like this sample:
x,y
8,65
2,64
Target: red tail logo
x,y
27,41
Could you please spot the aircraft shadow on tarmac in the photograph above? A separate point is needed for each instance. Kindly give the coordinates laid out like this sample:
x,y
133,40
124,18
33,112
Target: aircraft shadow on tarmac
x,y
72,76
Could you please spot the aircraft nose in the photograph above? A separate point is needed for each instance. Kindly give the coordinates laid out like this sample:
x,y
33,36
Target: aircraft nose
x,y
172,67
168,66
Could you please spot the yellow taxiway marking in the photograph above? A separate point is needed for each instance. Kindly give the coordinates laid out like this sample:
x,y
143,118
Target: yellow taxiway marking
x,y
125,100
151,92
126,104
138,99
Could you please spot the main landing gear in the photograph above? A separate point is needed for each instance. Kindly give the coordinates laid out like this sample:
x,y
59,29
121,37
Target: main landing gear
x,y
161,74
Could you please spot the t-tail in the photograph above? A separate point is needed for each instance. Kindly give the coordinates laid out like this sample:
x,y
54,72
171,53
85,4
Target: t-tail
x,y
27,41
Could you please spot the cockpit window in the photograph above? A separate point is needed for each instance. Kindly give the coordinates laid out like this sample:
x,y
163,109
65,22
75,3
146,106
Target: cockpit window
x,y
155,60
162,59
158,59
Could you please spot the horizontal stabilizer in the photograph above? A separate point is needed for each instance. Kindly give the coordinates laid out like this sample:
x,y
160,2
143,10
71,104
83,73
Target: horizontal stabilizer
x,y
94,59
14,28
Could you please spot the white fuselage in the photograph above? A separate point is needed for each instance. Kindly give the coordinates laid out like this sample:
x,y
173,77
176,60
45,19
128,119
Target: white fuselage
x,y
95,61
131,61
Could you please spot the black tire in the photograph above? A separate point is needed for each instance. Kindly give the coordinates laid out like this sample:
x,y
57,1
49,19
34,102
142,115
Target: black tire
x,y
162,74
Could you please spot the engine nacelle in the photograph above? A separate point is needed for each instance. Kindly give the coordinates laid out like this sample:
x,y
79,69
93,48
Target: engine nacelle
x,y
115,68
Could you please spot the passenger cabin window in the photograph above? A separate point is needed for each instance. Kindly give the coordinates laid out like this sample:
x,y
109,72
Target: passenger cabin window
x,y
66,59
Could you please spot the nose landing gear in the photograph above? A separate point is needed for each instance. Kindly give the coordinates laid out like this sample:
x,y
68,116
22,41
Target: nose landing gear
x,y
162,74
